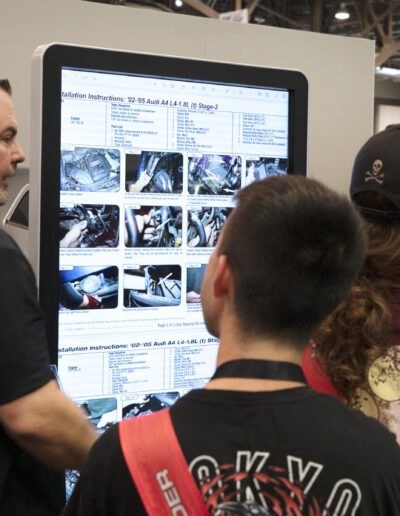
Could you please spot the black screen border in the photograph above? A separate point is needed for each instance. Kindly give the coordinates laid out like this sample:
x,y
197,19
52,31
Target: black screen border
x,y
59,56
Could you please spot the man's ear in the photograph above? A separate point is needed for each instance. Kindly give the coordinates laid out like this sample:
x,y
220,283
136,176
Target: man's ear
x,y
223,279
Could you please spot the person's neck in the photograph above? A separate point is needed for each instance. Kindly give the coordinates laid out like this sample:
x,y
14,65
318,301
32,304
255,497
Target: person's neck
x,y
235,345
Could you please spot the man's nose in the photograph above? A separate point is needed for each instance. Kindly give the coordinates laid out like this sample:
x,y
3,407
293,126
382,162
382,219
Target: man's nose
x,y
18,155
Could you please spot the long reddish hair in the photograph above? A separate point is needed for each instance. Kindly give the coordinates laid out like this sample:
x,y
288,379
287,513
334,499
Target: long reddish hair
x,y
358,331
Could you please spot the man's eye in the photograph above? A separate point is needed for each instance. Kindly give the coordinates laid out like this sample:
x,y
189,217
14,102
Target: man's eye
x,y
8,137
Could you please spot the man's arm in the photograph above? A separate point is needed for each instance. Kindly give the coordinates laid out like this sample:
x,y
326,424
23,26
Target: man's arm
x,y
49,426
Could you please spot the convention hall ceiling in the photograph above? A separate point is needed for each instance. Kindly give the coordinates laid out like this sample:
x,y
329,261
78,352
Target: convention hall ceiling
x,y
378,20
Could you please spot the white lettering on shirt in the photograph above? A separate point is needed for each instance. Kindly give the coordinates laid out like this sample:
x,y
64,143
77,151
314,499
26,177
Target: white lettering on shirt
x,y
170,493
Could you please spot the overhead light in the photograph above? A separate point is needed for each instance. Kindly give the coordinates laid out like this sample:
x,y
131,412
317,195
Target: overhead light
x,y
259,19
178,3
384,70
342,13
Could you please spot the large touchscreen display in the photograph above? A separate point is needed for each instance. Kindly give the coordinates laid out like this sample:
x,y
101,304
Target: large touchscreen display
x,y
149,168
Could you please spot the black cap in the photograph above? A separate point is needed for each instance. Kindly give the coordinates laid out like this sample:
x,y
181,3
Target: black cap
x,y
377,169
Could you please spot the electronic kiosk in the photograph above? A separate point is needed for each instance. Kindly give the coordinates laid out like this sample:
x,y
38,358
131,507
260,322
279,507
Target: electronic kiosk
x,y
136,160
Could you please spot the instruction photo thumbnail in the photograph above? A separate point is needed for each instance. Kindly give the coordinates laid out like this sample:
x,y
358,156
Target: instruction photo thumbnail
x,y
205,224
89,225
153,226
152,286
88,287
214,174
86,169
262,167
154,172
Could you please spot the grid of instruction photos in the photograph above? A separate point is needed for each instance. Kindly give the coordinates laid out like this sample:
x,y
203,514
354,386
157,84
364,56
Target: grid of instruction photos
x,y
148,173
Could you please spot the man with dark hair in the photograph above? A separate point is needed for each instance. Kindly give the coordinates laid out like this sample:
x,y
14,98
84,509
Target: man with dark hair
x,y
256,439
37,421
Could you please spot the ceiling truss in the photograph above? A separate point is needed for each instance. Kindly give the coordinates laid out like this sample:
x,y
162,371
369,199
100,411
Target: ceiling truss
x,y
378,20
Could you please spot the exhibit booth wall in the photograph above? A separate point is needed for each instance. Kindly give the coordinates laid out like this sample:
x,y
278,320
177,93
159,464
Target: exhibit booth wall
x,y
339,70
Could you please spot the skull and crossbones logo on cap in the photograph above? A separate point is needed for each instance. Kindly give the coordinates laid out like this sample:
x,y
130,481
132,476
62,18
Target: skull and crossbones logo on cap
x,y
377,173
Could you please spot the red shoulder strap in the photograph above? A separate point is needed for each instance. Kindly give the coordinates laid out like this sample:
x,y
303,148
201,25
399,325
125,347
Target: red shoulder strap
x,y
316,378
158,467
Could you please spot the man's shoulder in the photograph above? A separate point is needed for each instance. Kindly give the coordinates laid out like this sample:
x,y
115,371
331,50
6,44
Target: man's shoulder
x,y
108,442
351,427
7,242
373,436
12,254
353,418
311,411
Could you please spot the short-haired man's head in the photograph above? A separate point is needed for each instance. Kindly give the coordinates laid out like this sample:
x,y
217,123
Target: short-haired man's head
x,y
5,86
295,247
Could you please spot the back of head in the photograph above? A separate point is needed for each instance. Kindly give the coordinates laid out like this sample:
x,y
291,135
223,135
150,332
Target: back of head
x,y
295,247
375,182
375,190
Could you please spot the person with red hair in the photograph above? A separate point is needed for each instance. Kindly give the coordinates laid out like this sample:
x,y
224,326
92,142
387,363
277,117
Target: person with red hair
x,y
355,355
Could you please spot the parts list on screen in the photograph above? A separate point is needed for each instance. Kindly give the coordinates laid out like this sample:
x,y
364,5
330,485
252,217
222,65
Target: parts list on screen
x,y
148,173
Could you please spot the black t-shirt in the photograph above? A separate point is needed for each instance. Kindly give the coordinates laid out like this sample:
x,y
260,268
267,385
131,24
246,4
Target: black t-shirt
x,y
26,487
296,451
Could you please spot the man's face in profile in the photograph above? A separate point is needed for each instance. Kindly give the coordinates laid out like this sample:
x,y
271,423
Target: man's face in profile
x,y
10,152
207,298
210,304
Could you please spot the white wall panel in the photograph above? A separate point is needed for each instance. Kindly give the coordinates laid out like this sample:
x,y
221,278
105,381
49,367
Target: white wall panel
x,y
339,70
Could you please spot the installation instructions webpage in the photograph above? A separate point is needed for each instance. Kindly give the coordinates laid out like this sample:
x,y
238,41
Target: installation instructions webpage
x,y
149,170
